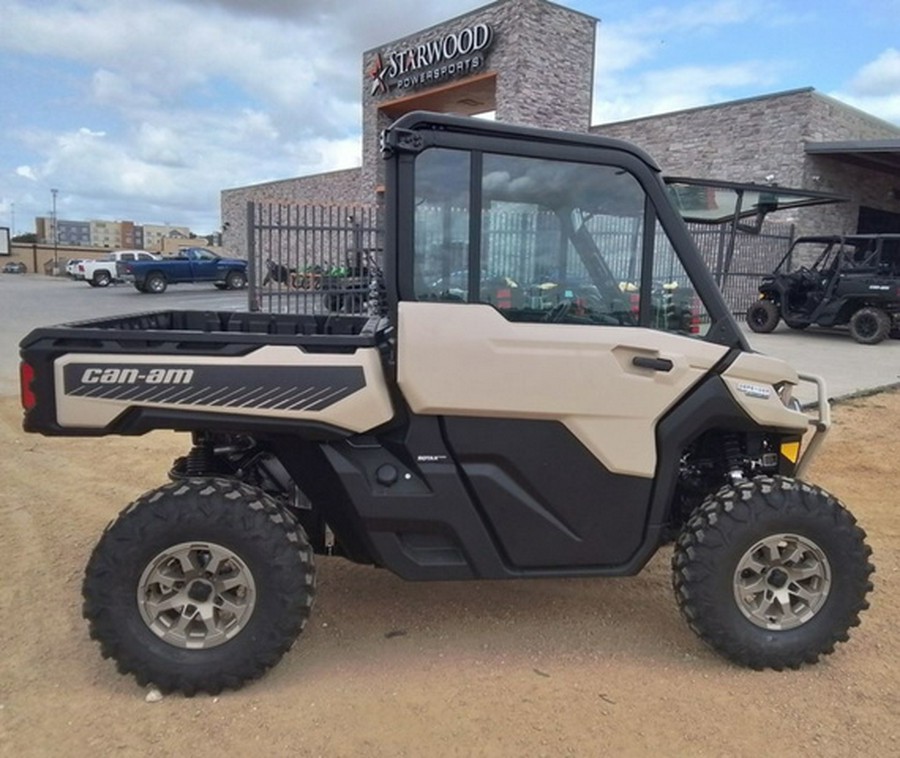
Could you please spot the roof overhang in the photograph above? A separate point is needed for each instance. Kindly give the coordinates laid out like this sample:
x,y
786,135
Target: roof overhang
x,y
876,154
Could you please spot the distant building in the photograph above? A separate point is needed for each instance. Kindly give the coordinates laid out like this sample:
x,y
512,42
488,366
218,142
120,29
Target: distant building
x,y
106,234
154,234
74,233
43,228
124,235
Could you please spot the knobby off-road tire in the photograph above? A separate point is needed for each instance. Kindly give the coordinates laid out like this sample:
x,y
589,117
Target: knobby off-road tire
x,y
772,573
200,585
870,326
762,316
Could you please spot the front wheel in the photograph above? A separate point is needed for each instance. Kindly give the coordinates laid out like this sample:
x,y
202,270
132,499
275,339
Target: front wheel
x,y
199,585
236,280
870,326
762,316
772,573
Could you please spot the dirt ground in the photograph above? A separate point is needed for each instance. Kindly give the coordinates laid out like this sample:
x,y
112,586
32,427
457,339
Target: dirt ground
x,y
570,667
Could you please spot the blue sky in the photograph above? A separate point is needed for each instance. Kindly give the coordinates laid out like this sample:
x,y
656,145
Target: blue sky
x,y
146,111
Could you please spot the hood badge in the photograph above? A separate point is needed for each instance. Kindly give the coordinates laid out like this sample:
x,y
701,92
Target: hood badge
x,y
755,390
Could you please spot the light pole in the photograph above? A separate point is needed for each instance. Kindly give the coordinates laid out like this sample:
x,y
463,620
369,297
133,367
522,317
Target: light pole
x,y
55,233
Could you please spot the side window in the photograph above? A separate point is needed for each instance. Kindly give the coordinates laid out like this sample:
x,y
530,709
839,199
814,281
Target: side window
x,y
561,242
554,242
442,186
675,305
127,256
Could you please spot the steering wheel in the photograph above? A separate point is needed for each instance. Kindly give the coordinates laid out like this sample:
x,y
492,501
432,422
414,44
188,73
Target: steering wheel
x,y
557,314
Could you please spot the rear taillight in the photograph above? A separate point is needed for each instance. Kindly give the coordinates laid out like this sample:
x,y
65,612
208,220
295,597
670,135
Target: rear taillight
x,y
26,378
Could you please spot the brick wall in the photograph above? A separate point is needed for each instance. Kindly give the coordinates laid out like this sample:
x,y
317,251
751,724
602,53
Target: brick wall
x,y
335,188
751,140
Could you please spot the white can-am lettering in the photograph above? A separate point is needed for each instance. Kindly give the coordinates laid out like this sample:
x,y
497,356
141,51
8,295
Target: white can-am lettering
x,y
97,375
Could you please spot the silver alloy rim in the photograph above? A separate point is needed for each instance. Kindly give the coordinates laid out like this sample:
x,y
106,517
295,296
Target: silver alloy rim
x,y
782,581
196,595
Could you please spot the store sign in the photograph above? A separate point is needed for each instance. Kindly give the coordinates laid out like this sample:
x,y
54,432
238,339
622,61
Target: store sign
x,y
448,57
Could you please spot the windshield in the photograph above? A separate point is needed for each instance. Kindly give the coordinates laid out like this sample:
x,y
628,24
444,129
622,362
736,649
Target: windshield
x,y
824,254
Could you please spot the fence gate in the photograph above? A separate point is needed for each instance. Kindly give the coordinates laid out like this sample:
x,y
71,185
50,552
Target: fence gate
x,y
328,259
754,255
314,258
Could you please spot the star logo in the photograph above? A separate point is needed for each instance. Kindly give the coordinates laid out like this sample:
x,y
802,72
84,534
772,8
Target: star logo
x,y
378,72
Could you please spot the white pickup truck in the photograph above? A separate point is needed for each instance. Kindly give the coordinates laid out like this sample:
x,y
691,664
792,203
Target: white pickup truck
x,y
102,271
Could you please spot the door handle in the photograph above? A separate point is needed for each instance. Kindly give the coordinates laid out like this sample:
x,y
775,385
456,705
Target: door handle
x,y
655,364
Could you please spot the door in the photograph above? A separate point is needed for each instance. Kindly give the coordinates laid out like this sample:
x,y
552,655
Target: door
x,y
551,326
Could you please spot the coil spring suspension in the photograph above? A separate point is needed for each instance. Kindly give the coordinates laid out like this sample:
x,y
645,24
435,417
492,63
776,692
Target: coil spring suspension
x,y
734,458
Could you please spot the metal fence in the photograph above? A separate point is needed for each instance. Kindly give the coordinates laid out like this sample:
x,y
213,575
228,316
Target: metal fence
x,y
329,259
313,258
738,272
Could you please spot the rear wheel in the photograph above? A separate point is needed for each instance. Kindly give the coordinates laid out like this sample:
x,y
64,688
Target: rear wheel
x,y
199,585
870,325
772,573
762,316
155,283
102,279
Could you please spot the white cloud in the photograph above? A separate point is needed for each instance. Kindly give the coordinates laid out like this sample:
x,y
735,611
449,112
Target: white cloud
x,y
880,78
875,88
620,94
675,89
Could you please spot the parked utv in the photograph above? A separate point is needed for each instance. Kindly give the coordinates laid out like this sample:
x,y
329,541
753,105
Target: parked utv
x,y
835,280
467,431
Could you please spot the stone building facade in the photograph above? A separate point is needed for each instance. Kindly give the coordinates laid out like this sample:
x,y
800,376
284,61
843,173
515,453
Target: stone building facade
x,y
763,140
531,62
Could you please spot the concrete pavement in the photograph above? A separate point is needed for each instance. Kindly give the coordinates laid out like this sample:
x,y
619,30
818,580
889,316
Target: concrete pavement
x,y
847,367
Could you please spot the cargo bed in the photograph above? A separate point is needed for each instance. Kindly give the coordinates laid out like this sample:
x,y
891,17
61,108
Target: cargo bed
x,y
174,369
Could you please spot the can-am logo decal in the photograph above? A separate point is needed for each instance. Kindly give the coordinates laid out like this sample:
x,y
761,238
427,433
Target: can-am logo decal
x,y
453,55
215,386
134,376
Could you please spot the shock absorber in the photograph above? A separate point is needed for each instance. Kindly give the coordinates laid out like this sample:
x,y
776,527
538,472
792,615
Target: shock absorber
x,y
200,460
734,458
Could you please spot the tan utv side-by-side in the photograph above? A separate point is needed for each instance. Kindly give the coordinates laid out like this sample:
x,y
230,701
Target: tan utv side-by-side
x,y
554,388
